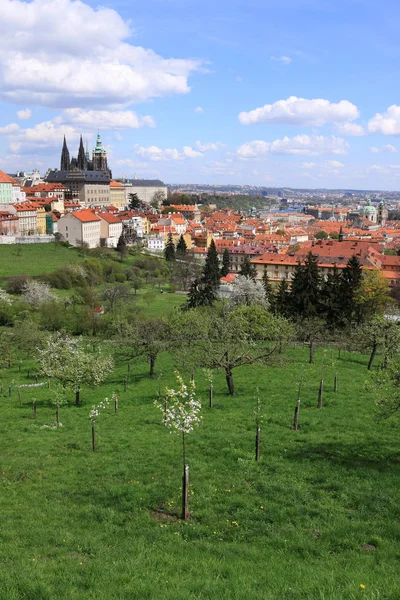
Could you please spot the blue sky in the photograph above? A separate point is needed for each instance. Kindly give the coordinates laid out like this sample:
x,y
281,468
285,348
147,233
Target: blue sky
x,y
279,93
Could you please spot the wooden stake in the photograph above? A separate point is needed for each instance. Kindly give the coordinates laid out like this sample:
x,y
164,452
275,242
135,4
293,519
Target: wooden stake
x,y
9,391
257,444
33,409
211,395
116,403
93,438
185,492
335,384
320,393
78,396
28,374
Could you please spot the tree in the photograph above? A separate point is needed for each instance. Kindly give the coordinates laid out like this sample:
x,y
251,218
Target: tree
x,y
211,274
122,247
248,269
201,294
249,292
225,263
115,295
378,333
373,294
157,199
268,291
169,250
134,202
350,282
386,385
181,248
36,293
321,235
185,271
305,290
68,361
281,301
331,297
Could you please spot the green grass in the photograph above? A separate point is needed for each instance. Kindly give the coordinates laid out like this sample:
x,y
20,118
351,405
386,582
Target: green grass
x,y
35,259
80,525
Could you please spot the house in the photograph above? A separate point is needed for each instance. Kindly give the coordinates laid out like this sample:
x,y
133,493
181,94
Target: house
x,y
117,195
156,243
110,229
81,226
6,188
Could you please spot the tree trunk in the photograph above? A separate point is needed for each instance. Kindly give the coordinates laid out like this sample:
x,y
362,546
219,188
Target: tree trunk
x,y
371,358
185,492
257,444
311,346
229,381
152,360
211,395
320,393
93,438
296,415
78,396
116,403
58,416
335,384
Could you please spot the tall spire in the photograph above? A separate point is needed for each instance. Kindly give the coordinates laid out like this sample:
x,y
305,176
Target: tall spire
x,y
82,163
65,162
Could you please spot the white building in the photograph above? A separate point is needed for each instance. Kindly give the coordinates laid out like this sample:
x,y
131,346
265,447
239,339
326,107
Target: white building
x,y
80,226
156,244
110,229
144,188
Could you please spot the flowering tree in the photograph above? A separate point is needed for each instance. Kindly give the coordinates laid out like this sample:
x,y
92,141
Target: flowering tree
x,y
249,292
181,415
36,293
65,359
93,416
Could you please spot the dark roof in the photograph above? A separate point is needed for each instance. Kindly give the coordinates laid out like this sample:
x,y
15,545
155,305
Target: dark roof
x,y
145,183
84,176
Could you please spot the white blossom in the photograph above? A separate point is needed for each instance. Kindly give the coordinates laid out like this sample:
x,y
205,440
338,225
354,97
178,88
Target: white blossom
x,y
181,409
36,293
95,411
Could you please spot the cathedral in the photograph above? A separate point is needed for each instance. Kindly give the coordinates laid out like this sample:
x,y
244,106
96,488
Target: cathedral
x,y
83,162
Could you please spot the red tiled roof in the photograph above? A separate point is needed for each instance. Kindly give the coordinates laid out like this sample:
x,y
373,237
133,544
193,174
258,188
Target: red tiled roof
x,y
4,178
85,216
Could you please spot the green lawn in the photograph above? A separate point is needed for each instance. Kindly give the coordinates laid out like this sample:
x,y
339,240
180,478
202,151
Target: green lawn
x,y
80,525
35,259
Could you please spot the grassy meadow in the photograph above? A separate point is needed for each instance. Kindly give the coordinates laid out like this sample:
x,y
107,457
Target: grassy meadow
x,y
35,259
316,518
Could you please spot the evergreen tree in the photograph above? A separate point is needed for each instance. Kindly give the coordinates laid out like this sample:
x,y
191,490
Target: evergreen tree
x,y
181,248
122,247
211,273
225,263
267,285
331,293
306,288
350,283
281,301
248,269
169,250
200,294
134,202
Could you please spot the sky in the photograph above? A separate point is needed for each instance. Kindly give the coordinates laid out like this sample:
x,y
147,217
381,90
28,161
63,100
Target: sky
x,y
285,93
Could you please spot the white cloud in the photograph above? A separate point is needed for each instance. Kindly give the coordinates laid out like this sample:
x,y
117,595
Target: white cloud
x,y
9,129
300,111
208,146
43,135
26,113
83,57
309,145
285,60
333,164
198,109
105,119
155,153
386,148
387,123
350,129
309,165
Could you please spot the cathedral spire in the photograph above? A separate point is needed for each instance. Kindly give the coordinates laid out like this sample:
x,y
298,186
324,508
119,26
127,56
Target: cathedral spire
x,y
82,163
65,162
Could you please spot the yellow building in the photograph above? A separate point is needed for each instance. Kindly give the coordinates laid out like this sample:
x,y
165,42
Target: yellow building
x,y
117,195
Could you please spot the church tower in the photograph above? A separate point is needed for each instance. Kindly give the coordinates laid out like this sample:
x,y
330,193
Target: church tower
x,y
65,162
100,157
82,162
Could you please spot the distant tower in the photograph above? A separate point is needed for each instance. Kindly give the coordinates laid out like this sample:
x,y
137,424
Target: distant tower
x,y
82,162
65,162
100,157
341,234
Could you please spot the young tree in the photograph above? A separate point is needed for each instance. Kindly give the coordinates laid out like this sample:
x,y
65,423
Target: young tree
x,y
68,361
181,410
225,263
169,250
181,248
248,269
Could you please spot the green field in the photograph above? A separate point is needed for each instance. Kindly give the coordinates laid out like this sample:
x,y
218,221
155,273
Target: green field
x,y
35,259
316,518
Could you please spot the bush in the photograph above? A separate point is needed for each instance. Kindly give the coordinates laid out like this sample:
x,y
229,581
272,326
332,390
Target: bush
x,y
17,283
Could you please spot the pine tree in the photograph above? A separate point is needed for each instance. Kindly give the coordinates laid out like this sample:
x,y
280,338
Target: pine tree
x,y
200,294
122,246
350,283
248,269
134,202
305,292
225,263
267,285
281,301
181,248
211,273
331,293
169,250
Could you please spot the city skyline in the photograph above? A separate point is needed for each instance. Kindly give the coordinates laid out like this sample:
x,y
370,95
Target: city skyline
x,y
300,94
